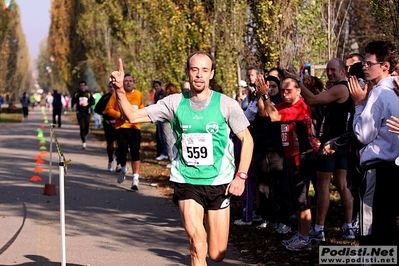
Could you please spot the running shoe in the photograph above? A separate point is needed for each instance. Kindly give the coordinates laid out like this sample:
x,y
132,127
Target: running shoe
x,y
110,167
317,236
241,222
122,174
348,233
299,244
283,229
135,184
266,224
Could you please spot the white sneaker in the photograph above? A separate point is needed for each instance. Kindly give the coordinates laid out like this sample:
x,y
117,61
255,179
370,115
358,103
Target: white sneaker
x,y
118,168
266,224
283,229
110,167
84,146
161,157
122,175
135,184
241,222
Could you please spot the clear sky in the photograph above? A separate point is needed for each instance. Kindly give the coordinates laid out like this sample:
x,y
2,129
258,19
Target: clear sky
x,y
35,21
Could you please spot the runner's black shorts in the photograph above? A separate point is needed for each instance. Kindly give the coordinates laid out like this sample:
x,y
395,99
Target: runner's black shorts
x,y
327,163
209,197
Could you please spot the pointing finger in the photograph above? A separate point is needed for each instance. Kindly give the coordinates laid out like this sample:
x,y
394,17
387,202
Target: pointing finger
x,y
120,65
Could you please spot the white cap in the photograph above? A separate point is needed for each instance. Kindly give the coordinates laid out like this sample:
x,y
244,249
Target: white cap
x,y
243,83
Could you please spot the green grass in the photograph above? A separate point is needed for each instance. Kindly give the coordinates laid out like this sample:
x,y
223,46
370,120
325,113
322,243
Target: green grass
x,y
10,117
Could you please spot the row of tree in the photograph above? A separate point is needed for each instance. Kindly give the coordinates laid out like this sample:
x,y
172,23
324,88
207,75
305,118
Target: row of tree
x,y
15,71
155,37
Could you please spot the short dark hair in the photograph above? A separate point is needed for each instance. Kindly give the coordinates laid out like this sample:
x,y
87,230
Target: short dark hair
x,y
128,75
82,82
156,82
384,51
200,53
253,68
289,79
358,55
279,70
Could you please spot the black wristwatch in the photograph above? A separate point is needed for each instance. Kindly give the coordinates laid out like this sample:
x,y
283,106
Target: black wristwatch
x,y
265,97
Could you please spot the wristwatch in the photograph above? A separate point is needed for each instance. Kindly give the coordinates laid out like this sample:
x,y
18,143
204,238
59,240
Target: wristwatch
x,y
242,175
265,97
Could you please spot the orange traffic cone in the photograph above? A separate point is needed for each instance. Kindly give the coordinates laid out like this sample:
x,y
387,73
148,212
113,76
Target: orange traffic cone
x,y
38,169
35,178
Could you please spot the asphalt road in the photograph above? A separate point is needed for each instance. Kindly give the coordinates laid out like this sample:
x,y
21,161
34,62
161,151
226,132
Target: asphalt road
x,y
106,223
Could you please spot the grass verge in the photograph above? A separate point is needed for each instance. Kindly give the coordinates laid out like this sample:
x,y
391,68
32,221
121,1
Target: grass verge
x,y
10,117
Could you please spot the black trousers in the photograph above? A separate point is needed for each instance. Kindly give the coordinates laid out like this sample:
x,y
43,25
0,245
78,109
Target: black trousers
x,y
84,124
57,114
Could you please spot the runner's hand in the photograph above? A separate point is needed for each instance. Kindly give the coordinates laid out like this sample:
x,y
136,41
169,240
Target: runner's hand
x,y
117,77
236,187
327,150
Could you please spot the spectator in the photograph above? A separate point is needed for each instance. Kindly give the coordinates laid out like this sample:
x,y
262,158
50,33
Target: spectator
x,y
268,151
96,117
373,107
58,104
24,99
276,72
128,134
247,214
162,151
338,107
109,130
243,96
67,103
352,59
167,129
292,113
315,85
217,88
1,101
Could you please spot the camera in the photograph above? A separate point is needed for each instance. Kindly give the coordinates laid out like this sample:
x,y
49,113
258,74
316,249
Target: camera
x,y
361,82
